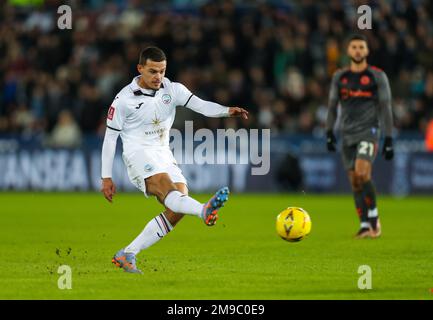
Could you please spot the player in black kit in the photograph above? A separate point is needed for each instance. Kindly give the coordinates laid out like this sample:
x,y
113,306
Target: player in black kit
x,y
365,97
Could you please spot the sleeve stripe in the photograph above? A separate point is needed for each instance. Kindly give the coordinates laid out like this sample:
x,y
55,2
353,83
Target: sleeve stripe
x,y
188,100
113,128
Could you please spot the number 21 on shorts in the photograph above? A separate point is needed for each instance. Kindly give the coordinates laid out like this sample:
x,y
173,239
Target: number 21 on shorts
x,y
366,148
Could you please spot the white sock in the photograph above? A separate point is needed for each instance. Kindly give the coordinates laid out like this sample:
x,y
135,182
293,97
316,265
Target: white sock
x,y
365,225
154,231
373,213
181,203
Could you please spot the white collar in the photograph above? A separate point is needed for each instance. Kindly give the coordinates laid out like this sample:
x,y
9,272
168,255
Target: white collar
x,y
141,91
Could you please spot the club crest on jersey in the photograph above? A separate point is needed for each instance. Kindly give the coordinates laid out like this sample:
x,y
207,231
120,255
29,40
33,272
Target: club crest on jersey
x,y
148,167
365,80
111,113
166,98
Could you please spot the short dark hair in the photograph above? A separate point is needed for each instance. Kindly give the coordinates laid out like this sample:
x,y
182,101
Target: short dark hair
x,y
152,53
357,36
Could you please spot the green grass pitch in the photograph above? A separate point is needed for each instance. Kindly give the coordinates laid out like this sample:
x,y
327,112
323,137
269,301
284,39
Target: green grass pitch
x,y
240,258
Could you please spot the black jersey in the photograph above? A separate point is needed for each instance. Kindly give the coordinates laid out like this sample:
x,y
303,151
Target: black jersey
x,y
365,97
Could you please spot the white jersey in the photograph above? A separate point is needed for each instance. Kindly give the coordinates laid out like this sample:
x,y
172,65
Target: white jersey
x,y
144,117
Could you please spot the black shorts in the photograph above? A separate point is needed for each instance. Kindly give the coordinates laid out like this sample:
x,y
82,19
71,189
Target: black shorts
x,y
366,149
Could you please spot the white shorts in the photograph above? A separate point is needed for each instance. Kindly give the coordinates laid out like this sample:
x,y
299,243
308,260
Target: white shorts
x,y
145,163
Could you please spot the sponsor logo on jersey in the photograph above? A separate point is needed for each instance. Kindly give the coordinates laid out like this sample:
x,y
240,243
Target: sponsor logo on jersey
x,y
158,131
111,113
148,167
345,94
365,80
166,98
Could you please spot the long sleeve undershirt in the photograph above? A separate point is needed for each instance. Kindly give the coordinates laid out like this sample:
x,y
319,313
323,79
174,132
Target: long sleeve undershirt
x,y
332,103
108,152
385,106
207,108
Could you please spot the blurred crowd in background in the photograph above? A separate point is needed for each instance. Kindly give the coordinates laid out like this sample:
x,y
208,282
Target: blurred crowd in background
x,y
276,59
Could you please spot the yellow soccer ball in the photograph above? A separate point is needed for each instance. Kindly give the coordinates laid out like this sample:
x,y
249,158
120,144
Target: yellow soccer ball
x,y
293,224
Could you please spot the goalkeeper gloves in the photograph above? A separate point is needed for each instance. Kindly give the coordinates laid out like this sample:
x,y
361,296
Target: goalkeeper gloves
x,y
331,141
388,149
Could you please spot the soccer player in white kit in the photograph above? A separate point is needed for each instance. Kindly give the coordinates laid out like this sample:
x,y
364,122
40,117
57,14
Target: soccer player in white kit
x,y
142,113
